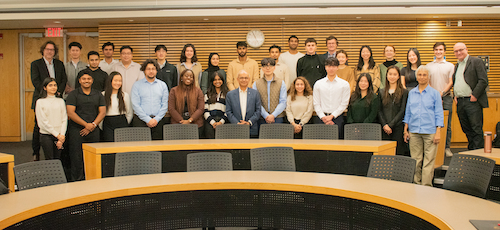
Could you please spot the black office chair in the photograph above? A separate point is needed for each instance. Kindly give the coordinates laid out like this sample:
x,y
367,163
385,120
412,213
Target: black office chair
x,y
132,134
276,131
272,159
469,174
180,132
232,131
39,174
363,131
398,168
209,161
320,131
135,163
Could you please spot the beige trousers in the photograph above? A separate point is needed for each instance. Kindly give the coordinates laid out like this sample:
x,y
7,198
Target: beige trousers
x,y
423,150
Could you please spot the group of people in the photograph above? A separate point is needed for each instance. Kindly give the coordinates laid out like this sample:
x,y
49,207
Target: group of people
x,y
290,87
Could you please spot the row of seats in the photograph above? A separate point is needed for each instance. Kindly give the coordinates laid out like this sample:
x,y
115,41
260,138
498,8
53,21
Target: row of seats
x,y
467,174
359,131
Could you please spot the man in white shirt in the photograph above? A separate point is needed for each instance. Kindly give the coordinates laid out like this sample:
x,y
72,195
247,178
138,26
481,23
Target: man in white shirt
x,y
280,70
130,70
243,104
74,66
291,57
108,49
441,79
331,97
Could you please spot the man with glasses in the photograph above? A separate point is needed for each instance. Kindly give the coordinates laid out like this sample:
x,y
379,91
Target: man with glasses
x,y
45,67
469,86
272,91
130,70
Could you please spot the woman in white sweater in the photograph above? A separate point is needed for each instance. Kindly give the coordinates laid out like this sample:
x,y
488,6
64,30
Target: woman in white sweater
x,y
299,104
119,111
52,119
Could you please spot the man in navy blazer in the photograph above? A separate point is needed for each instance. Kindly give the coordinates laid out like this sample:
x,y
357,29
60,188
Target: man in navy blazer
x,y
236,104
43,68
469,86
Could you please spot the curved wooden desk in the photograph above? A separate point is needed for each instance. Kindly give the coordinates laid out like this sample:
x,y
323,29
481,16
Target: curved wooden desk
x,y
443,209
92,151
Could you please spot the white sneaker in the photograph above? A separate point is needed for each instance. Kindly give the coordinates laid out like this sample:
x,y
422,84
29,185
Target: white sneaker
x,y
448,152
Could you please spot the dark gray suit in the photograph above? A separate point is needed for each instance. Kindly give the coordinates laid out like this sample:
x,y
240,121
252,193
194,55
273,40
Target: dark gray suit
x,y
470,113
233,109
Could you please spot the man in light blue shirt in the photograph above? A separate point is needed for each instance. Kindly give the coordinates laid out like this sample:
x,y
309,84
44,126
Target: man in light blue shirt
x,y
150,100
423,121
272,92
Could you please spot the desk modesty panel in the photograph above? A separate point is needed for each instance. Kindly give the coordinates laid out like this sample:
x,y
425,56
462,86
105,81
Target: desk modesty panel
x,y
93,162
85,201
9,160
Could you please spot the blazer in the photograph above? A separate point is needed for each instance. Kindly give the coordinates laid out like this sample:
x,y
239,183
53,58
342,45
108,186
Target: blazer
x,y
39,72
196,115
233,109
476,77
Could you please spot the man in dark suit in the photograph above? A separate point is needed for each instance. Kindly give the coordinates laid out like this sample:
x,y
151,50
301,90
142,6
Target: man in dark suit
x,y
331,46
243,104
43,68
469,85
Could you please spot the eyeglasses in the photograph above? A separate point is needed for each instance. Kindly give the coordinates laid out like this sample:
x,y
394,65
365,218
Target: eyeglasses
x,y
49,49
458,51
267,66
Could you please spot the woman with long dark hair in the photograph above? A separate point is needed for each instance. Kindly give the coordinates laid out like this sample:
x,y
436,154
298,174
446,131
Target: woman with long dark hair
x,y
185,102
393,104
215,104
364,103
408,77
119,111
366,64
52,119
189,60
299,104
213,67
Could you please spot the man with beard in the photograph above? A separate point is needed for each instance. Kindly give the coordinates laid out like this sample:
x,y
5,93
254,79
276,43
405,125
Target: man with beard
x,y
241,63
95,71
290,57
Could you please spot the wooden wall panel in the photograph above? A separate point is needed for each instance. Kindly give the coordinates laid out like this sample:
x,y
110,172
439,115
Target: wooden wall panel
x,y
481,36
88,44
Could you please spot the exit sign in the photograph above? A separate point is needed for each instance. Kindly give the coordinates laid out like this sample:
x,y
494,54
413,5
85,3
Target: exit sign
x,y
54,32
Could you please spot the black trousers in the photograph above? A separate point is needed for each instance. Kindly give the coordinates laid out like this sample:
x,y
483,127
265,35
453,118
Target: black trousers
x,y
48,143
111,123
470,115
402,148
35,142
75,149
157,131
339,121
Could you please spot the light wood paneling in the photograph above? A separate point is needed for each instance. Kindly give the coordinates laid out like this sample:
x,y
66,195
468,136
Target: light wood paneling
x,y
88,44
9,89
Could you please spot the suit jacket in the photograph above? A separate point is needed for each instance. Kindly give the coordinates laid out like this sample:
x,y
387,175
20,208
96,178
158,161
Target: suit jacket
x,y
476,77
39,72
233,109
325,55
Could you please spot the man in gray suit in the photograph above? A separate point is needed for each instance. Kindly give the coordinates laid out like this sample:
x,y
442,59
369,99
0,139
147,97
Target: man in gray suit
x,y
243,104
469,86
331,46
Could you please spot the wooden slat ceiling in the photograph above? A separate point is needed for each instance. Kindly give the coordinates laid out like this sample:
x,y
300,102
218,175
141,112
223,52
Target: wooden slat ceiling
x,y
481,36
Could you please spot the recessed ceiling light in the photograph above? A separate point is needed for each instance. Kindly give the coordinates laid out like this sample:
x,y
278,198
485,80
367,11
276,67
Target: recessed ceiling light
x,y
57,22
435,17
131,20
282,18
358,17
206,19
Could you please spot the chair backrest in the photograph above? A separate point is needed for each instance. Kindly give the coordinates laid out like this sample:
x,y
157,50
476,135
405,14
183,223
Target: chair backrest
x,y
276,131
363,131
232,131
469,174
320,131
209,161
132,134
273,159
39,174
135,163
180,132
398,168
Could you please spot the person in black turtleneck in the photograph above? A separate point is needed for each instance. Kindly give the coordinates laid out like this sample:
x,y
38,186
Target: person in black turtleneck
x,y
311,66
389,53
213,66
